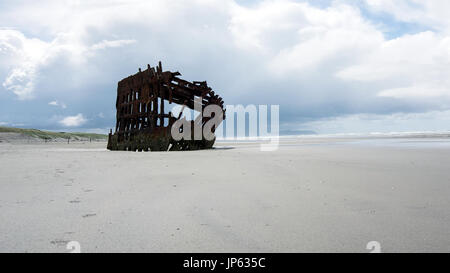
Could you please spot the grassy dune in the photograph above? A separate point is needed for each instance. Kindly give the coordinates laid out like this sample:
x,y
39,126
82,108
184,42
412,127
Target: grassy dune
x,y
52,135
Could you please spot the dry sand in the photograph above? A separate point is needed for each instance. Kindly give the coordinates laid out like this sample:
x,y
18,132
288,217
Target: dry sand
x,y
312,195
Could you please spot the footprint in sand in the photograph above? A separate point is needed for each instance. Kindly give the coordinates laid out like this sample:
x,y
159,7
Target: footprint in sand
x,y
71,181
59,242
89,215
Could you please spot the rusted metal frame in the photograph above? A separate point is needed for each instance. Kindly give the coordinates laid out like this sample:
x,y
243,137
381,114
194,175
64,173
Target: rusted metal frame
x,y
136,114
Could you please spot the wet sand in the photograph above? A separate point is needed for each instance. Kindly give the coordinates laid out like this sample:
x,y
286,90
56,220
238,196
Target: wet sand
x,y
311,195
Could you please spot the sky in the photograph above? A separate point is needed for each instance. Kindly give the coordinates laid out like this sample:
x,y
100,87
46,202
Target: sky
x,y
343,66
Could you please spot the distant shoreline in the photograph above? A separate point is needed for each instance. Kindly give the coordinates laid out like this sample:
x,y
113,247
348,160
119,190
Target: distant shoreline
x,y
19,135
347,136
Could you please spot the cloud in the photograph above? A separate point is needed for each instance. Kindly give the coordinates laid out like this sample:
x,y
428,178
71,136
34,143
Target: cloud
x,y
415,91
337,36
409,66
26,57
23,56
430,13
57,103
73,121
315,60
2,123
116,43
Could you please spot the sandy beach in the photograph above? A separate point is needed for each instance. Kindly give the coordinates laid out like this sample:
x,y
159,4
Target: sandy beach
x,y
311,195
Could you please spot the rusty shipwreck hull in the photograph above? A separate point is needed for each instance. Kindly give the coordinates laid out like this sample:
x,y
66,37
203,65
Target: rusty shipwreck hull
x,y
142,123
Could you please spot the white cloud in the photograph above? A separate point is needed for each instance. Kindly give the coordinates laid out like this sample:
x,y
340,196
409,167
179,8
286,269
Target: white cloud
x,y
292,53
73,121
57,103
27,56
334,37
285,27
116,43
432,13
410,66
2,123
338,39
67,30
415,91
23,56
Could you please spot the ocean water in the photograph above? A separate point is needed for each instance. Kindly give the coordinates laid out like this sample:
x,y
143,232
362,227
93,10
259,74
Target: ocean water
x,y
393,140
441,143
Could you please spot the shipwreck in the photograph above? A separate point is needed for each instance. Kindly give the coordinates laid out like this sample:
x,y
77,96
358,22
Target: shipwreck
x,y
141,121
